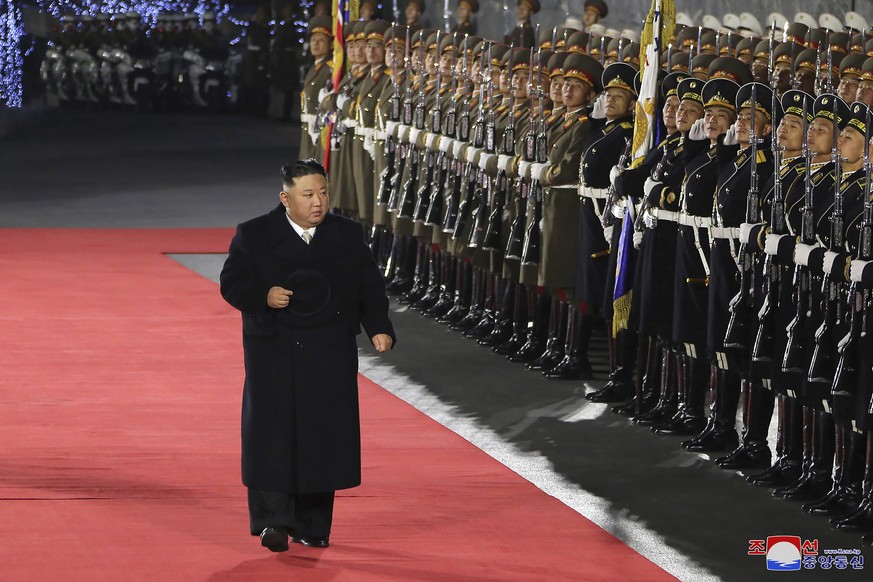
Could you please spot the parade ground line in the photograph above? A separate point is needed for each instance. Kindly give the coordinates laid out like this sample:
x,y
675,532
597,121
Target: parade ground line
x,y
122,375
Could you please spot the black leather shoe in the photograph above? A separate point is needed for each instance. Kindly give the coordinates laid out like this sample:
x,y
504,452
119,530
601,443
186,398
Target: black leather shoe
x,y
311,542
275,539
784,472
682,424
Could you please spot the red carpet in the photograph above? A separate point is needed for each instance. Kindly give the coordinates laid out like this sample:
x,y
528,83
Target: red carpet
x,y
121,378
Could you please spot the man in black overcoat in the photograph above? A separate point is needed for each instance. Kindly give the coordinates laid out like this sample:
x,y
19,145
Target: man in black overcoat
x,y
305,282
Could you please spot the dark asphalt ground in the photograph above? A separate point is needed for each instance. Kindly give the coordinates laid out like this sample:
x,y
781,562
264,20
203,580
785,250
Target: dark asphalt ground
x,y
72,168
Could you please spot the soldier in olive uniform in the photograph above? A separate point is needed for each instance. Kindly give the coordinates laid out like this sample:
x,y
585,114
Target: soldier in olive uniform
x,y
463,20
523,35
320,38
363,144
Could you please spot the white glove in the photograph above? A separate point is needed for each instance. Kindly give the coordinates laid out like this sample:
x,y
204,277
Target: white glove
x,y
599,109
697,131
403,132
829,258
471,154
483,159
456,148
370,146
445,144
638,239
341,100
503,161
322,94
607,234
730,138
413,135
390,127
613,174
746,231
381,135
856,270
649,220
523,169
801,254
771,244
429,139
314,135
537,171
348,122
650,185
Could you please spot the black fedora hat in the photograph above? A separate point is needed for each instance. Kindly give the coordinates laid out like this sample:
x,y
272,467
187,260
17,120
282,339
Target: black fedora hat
x,y
311,290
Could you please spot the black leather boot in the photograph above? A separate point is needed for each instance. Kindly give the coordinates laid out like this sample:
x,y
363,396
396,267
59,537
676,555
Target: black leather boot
x,y
845,492
645,392
401,265
691,384
423,262
753,452
477,301
620,385
520,322
485,325
789,446
554,351
720,433
575,364
463,293
816,480
432,293
502,329
861,518
666,406
536,340
447,287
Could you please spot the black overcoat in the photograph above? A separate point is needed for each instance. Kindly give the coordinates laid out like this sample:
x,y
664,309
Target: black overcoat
x,y
300,420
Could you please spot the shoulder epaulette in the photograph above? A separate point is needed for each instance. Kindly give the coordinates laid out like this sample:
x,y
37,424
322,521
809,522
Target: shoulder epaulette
x,y
627,125
761,157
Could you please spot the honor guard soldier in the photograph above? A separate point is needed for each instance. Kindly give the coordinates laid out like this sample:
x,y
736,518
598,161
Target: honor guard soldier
x,y
523,35
593,12
559,177
285,54
464,23
320,38
808,217
255,63
652,305
731,291
413,11
805,74
610,139
363,144
865,84
850,76
344,103
776,313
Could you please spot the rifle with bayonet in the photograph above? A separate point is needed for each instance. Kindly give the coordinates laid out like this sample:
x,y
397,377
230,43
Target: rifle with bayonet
x,y
844,383
793,359
821,366
461,175
387,177
425,191
406,208
515,240
530,253
762,348
740,305
406,109
483,189
443,182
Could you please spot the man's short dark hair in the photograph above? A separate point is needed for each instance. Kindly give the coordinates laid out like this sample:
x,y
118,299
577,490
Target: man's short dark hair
x,y
300,168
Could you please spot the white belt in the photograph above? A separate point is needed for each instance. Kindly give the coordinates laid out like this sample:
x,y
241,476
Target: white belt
x,y
724,232
668,215
350,123
695,221
588,192
381,135
254,48
364,131
307,118
565,187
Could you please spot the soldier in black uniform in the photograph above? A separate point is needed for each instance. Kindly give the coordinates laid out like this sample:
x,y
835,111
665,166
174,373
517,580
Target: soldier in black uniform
x,y
611,134
523,35
285,54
